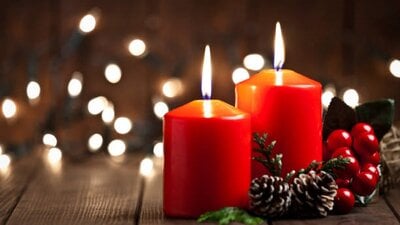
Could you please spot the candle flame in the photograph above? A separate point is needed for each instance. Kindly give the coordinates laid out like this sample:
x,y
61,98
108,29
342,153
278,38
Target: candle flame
x,y
206,74
279,58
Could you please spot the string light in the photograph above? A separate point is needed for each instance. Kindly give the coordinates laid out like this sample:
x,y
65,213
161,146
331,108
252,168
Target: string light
x,y
254,62
146,167
87,23
116,147
5,161
75,85
33,90
95,142
49,140
240,74
327,95
113,73
54,155
158,149
160,109
137,47
122,125
395,68
351,97
9,108
172,87
108,113
96,105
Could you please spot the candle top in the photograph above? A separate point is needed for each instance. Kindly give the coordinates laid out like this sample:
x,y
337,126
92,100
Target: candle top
x,y
207,109
289,78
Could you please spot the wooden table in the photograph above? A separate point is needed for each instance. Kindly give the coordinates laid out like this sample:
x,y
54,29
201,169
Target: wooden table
x,y
99,190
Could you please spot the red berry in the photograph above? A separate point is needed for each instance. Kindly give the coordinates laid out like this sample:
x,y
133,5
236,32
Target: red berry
x,y
364,183
343,183
344,201
374,159
343,151
369,167
366,144
351,169
361,128
337,139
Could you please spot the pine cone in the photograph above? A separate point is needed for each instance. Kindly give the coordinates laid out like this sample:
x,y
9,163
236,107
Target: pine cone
x,y
270,196
313,194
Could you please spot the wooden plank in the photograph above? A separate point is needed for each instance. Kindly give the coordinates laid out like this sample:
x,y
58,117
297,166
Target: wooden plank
x,y
95,191
13,182
376,213
392,198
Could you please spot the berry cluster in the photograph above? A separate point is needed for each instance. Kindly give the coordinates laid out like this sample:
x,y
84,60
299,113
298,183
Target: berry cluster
x,y
360,176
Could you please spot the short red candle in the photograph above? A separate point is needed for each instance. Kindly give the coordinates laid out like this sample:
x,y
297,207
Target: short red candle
x,y
287,106
207,150
290,113
207,158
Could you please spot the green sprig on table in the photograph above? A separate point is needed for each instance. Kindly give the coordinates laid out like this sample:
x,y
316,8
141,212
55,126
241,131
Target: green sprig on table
x,y
228,215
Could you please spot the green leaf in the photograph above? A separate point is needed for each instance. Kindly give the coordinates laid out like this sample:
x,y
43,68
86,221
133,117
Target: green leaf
x,y
338,116
379,114
228,215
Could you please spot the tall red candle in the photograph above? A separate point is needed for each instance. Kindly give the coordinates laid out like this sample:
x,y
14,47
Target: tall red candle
x,y
287,106
207,157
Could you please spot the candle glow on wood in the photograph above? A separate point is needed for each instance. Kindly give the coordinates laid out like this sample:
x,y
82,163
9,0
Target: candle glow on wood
x,y
279,57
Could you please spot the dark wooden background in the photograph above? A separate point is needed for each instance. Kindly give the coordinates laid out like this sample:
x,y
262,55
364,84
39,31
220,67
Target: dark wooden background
x,y
347,43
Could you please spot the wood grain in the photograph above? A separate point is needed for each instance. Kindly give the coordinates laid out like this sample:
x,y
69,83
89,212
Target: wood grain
x,y
96,191
13,183
392,198
376,213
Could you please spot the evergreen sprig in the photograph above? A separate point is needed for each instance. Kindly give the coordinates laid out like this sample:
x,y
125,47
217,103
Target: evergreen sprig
x,y
228,215
335,163
272,163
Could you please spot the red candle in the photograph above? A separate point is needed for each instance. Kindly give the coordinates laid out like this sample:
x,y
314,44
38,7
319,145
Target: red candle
x,y
287,106
207,155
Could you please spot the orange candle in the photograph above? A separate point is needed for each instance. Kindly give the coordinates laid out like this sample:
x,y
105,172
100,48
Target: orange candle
x,y
287,106
207,155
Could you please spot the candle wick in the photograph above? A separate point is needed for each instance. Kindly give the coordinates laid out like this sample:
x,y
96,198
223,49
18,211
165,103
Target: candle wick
x,y
206,97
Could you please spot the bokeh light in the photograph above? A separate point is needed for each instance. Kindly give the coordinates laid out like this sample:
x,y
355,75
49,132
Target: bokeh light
x,y
395,68
108,113
146,167
33,90
327,95
160,109
113,73
158,149
75,85
5,161
254,62
122,125
87,23
97,105
137,47
54,155
116,147
49,140
351,97
172,87
95,142
240,74
9,108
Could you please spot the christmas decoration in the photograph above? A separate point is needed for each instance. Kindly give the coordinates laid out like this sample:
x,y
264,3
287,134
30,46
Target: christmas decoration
x,y
230,214
344,201
390,149
270,196
313,194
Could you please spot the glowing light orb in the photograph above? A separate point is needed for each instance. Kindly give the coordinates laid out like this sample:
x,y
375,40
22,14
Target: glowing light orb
x,y
113,73
33,90
116,147
240,74
158,150
351,97
395,68
254,62
122,125
87,23
95,142
160,109
146,167
137,47
9,108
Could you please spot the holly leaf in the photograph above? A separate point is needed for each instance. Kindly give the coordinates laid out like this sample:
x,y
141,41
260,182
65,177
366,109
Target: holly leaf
x,y
379,114
228,215
338,116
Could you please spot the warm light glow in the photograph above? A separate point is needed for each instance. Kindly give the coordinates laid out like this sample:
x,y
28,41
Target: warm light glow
x,y
351,97
137,47
87,23
95,142
240,74
160,109
279,48
108,113
146,167
9,108
1,149
5,161
122,125
395,68
254,62
113,73
158,150
33,90
172,87
97,105
54,155
75,84
327,95
49,140
116,147
206,74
